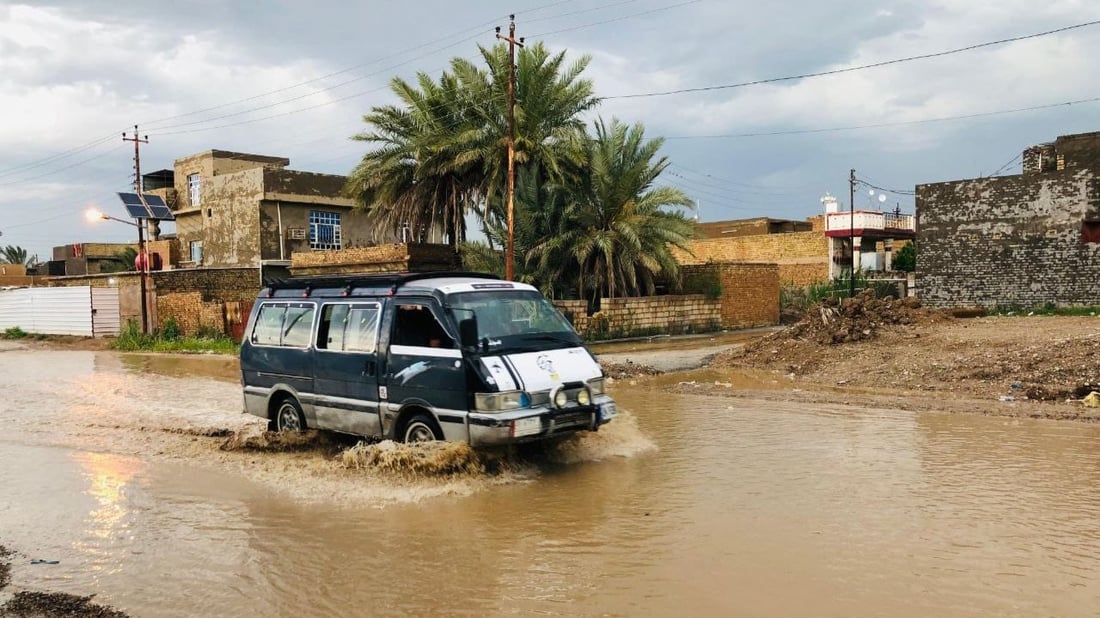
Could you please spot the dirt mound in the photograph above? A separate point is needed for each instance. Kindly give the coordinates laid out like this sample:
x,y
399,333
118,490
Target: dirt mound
x,y
418,459
627,370
857,319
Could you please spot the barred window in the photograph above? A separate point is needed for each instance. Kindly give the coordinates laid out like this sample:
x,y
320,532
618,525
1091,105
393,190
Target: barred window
x,y
324,230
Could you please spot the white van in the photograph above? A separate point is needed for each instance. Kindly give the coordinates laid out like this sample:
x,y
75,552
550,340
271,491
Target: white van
x,y
424,356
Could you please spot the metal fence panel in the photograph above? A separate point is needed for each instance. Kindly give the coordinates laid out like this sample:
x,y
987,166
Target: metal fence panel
x,y
48,311
105,312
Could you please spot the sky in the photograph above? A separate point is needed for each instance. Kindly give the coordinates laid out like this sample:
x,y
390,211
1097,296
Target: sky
x,y
294,79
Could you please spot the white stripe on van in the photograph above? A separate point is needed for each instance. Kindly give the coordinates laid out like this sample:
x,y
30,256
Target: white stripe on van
x,y
415,350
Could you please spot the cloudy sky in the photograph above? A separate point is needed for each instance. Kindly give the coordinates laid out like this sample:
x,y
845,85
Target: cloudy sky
x,y
293,79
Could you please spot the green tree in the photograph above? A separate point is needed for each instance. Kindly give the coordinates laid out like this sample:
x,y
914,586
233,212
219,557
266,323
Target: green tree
x,y
441,152
906,258
123,261
14,254
618,227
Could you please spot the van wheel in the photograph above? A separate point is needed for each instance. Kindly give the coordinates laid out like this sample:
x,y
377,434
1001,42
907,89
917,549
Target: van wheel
x,y
288,416
422,428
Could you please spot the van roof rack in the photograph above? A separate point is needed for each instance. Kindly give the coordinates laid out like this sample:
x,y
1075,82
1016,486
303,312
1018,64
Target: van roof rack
x,y
376,280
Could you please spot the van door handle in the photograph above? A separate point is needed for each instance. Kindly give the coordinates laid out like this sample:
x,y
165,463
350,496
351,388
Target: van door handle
x,y
370,368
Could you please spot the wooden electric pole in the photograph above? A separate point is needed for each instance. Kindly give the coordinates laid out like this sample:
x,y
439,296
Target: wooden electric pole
x,y
143,256
852,233
510,250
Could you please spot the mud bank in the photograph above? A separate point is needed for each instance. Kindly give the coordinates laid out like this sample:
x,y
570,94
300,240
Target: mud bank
x,y
35,604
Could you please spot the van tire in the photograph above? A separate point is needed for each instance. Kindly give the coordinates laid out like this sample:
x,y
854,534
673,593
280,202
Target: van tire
x,y
287,416
421,428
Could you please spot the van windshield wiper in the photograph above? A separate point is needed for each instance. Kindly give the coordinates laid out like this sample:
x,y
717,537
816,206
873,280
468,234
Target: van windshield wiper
x,y
562,338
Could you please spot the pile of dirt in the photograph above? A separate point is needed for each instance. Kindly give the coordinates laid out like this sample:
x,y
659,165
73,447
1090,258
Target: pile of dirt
x,y
628,370
832,323
857,319
5,567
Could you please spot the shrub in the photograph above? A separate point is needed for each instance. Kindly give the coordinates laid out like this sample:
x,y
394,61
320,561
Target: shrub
x,y
14,333
171,330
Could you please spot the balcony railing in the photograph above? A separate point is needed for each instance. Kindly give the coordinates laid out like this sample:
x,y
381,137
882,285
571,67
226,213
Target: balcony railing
x,y
870,221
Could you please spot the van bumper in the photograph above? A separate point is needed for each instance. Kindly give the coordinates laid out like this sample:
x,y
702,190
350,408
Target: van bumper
x,y
532,424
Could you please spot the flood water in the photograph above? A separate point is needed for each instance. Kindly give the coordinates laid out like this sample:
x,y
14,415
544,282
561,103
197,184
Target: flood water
x,y
691,506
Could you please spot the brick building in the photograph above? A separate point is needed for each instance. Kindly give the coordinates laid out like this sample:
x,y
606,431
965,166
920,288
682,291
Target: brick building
x,y
799,248
237,210
1023,240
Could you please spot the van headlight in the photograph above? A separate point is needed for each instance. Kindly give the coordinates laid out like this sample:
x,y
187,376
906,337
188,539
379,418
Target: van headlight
x,y
584,396
561,399
596,386
499,402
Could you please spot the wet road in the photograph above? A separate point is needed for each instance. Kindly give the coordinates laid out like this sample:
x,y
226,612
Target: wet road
x,y
708,506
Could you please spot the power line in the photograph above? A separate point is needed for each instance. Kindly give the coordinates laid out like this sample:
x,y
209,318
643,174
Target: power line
x,y
894,191
773,80
887,124
609,21
57,157
61,169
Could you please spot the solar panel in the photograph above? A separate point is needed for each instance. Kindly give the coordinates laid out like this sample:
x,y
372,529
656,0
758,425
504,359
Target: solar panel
x,y
152,208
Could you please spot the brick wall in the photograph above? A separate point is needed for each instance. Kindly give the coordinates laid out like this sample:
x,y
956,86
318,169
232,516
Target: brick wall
x,y
749,292
382,258
646,315
213,284
1009,241
802,257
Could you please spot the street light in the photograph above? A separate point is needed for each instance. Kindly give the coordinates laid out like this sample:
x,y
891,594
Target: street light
x,y
93,215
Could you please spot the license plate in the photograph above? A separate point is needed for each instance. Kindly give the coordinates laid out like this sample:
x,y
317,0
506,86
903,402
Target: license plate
x,y
526,426
608,411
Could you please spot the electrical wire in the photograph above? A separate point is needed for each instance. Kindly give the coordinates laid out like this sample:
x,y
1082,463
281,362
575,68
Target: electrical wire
x,y
609,21
57,157
773,80
887,124
61,169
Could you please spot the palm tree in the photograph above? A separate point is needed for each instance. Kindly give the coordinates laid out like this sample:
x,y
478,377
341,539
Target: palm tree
x,y
17,255
414,176
441,153
619,228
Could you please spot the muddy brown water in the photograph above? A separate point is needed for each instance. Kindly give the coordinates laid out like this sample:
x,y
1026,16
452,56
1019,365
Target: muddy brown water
x,y
691,506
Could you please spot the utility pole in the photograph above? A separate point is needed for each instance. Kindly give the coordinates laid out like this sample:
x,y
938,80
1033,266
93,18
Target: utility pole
x,y
510,250
143,255
852,232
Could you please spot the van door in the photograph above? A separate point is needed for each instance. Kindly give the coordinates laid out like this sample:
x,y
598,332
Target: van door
x,y
346,368
426,367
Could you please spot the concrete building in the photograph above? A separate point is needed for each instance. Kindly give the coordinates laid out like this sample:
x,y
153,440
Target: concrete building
x,y
237,210
1015,241
864,240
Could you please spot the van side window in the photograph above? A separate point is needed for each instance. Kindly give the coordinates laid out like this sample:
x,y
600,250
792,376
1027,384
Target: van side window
x,y
414,325
269,325
362,329
297,326
330,334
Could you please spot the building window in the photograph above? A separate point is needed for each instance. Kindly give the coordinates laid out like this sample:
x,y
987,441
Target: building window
x,y
324,230
196,251
194,182
1090,232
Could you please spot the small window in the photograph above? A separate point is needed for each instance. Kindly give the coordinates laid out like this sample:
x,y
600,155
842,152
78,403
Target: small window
x,y
194,186
330,334
415,325
297,326
324,230
362,329
269,325
196,251
284,325
1090,232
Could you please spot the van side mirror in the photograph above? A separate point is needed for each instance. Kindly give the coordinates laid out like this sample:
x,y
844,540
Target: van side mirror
x,y
467,332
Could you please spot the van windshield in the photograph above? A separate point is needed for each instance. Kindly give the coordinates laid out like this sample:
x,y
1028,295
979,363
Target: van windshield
x,y
520,319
